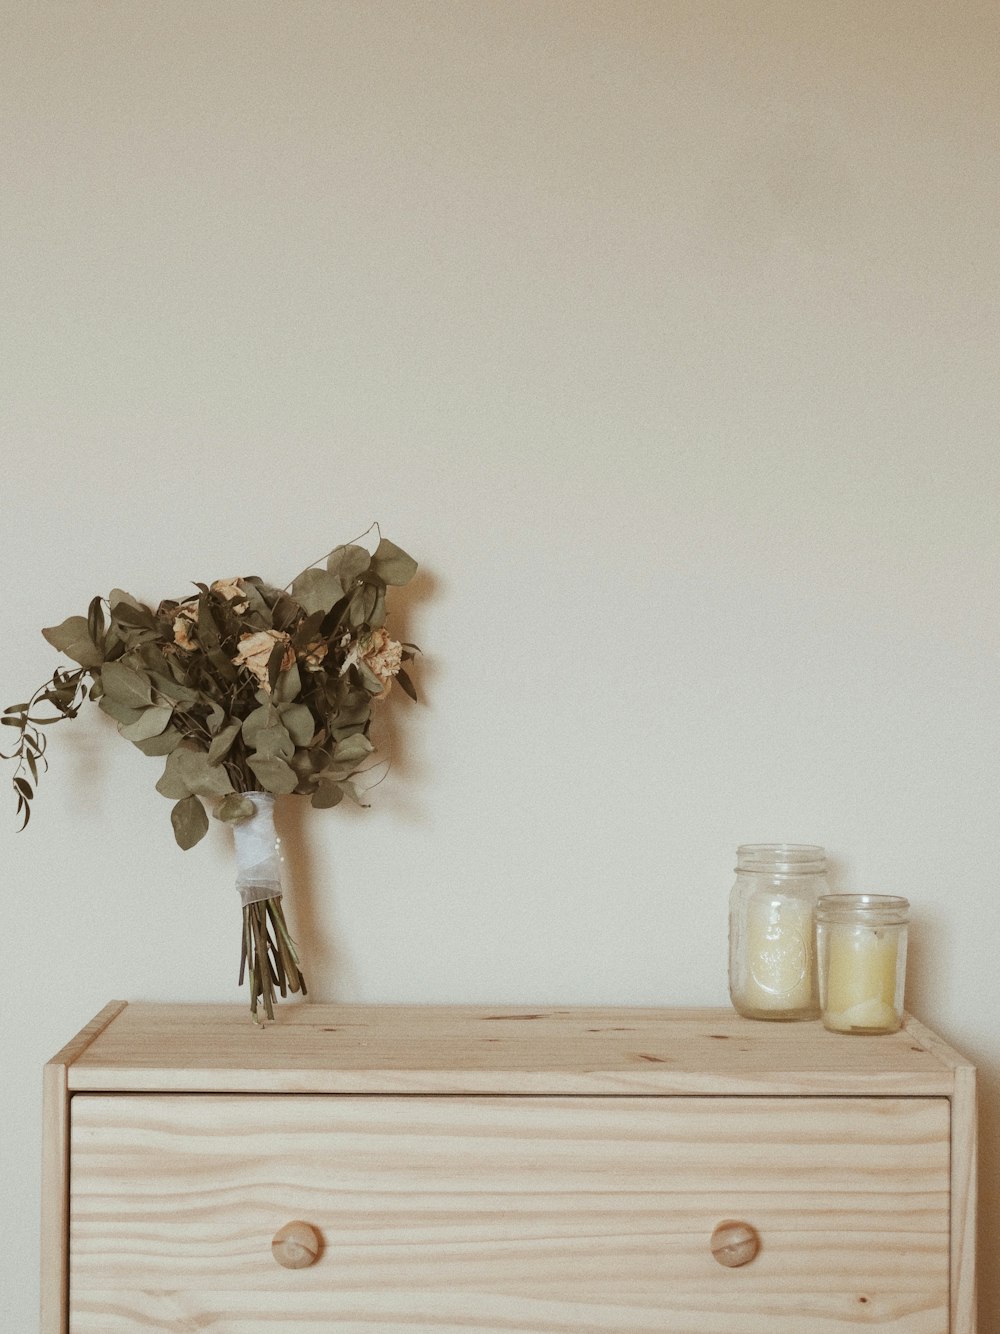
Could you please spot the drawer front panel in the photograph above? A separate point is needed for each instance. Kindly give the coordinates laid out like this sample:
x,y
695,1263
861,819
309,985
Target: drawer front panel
x,y
552,1215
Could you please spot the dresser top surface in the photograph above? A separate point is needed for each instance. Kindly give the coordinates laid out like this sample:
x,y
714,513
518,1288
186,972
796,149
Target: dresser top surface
x,y
490,1050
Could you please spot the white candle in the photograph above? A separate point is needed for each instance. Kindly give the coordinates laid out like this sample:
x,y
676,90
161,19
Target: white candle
x,y
779,953
861,964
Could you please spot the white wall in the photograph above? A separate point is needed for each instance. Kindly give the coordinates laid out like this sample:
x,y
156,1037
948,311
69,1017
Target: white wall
x,y
663,334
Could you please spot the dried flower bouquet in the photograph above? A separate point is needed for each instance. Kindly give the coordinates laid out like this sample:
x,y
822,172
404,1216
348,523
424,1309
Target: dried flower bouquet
x,y
245,689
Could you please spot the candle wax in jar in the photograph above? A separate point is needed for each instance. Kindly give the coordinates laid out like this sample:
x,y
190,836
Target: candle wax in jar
x,y
860,978
779,953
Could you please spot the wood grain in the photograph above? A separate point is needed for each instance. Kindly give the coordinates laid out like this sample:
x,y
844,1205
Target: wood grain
x,y
552,1215
481,1050
55,1168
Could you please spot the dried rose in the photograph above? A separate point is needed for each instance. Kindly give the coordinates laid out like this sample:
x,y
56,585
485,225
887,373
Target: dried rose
x,y
234,591
383,656
185,624
314,653
255,651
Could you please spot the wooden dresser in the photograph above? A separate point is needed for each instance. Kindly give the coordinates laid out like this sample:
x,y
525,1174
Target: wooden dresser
x,y
399,1170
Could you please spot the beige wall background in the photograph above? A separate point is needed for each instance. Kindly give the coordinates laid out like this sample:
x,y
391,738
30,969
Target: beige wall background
x,y
664,335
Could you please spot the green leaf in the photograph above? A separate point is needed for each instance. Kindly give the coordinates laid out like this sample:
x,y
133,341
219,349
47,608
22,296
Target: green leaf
x,y
189,821
188,773
120,712
327,795
169,739
222,743
402,676
95,621
369,680
351,789
288,685
119,598
72,637
392,564
273,774
150,723
362,605
347,563
274,741
255,723
235,808
127,685
298,722
165,685
353,749
316,590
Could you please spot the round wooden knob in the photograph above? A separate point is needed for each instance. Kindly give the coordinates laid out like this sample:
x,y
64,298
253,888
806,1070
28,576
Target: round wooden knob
x,y
296,1245
734,1243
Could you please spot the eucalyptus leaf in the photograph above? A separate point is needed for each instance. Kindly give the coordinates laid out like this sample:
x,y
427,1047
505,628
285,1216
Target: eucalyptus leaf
x,y
235,808
352,790
120,712
216,716
188,773
189,821
72,637
361,606
273,741
288,685
254,723
222,743
150,723
273,774
95,622
327,795
298,722
169,739
353,749
372,683
127,685
316,590
165,685
392,564
403,677
119,598
347,563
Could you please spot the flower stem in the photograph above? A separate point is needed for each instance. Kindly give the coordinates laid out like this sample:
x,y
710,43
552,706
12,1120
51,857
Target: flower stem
x,y
270,955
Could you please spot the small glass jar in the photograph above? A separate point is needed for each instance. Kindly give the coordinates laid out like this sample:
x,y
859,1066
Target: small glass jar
x,y
772,932
861,939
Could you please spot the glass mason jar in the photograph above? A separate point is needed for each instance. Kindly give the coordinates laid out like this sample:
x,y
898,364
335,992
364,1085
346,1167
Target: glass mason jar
x,y
772,931
861,939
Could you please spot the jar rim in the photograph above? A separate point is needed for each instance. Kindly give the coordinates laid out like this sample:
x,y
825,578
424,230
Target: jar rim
x,y
781,858
884,909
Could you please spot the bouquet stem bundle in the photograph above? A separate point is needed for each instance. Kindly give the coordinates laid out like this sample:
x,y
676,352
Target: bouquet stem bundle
x,y
270,954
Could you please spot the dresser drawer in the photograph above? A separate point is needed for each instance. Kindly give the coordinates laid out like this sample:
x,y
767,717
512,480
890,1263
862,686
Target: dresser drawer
x,y
557,1215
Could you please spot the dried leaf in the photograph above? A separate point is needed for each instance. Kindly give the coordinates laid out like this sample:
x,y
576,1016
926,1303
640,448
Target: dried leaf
x,y
316,590
392,564
235,808
72,637
189,821
347,563
169,739
327,795
188,773
273,774
222,743
127,685
298,722
353,749
402,676
150,723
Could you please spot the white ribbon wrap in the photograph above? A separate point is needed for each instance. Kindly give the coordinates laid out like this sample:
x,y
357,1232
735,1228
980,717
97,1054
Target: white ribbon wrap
x,y
258,852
